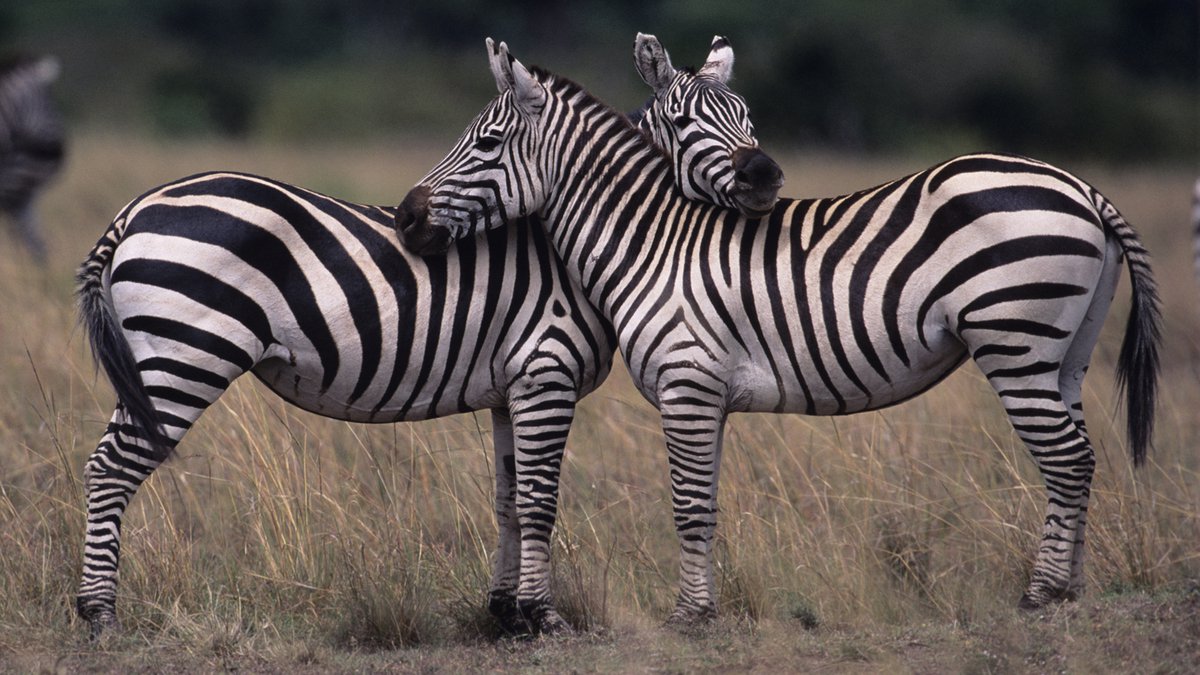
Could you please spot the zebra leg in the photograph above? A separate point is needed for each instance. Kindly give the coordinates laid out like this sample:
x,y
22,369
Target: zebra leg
x,y
1064,456
113,473
1070,384
694,444
122,462
540,423
506,569
28,229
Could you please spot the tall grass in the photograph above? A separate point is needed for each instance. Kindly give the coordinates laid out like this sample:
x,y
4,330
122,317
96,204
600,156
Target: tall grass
x,y
277,531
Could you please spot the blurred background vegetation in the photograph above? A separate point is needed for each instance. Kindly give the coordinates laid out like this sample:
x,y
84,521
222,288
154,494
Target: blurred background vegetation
x,y
1098,80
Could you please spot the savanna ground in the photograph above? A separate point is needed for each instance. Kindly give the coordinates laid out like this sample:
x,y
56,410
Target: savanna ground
x,y
281,541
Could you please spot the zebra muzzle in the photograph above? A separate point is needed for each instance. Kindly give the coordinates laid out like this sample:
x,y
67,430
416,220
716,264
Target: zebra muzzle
x,y
413,227
757,180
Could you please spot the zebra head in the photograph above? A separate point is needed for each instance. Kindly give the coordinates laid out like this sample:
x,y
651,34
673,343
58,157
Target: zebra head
x,y
705,129
486,181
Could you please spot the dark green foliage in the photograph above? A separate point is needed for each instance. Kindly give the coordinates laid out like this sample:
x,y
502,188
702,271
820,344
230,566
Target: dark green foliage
x,y
1113,80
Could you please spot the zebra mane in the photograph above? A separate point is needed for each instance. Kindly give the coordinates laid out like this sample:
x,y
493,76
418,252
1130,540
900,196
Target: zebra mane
x,y
635,120
571,89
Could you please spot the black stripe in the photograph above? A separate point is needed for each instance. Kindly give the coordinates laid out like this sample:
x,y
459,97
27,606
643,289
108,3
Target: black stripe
x,y
191,336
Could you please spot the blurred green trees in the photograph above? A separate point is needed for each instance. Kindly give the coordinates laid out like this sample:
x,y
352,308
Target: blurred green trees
x,y
1115,80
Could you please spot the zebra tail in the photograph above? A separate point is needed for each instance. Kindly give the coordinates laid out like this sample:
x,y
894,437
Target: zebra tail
x,y
110,349
1138,364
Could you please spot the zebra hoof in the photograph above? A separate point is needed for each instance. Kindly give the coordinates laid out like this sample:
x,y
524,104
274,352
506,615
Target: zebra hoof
x,y
101,624
100,614
552,624
540,618
503,608
1038,598
690,616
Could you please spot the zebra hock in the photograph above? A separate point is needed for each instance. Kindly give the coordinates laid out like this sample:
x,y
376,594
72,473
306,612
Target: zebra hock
x,y
823,306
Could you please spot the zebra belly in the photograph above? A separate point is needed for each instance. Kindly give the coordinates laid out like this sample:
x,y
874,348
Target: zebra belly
x,y
836,387
302,387
315,297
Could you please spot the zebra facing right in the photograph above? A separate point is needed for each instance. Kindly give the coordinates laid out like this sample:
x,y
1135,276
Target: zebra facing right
x,y
824,306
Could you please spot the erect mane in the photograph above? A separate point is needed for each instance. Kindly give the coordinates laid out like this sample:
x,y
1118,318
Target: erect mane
x,y
569,89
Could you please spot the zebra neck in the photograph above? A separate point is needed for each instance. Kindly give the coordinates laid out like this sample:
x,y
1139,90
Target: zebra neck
x,y
615,211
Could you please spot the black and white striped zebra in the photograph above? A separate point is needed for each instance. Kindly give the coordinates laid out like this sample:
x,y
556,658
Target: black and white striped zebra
x,y
824,306
31,142
201,280
209,277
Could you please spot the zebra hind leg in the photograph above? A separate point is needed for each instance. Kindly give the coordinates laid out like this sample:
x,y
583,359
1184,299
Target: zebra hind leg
x,y
1070,383
1043,420
112,475
121,462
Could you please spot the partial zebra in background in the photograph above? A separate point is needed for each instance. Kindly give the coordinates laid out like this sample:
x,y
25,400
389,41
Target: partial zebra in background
x,y
1196,229
31,142
823,306
201,280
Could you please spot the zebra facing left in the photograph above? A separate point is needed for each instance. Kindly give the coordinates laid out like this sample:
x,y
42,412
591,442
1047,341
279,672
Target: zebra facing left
x,y
204,279
823,306
31,143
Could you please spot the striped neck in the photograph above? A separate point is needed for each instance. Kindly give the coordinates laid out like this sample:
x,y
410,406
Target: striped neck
x,y
612,202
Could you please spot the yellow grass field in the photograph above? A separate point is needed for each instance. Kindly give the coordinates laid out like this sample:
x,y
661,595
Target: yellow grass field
x,y
277,540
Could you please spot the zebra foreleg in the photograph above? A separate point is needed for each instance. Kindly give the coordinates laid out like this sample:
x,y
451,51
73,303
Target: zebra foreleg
x,y
113,473
540,424
694,442
506,568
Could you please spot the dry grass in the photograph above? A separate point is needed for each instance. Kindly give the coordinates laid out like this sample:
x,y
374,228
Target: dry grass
x,y
280,540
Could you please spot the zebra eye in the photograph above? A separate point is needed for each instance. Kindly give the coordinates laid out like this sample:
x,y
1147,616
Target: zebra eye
x,y
682,121
487,143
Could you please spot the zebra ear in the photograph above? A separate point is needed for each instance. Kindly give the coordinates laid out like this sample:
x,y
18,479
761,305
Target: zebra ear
x,y
719,65
528,92
501,70
652,62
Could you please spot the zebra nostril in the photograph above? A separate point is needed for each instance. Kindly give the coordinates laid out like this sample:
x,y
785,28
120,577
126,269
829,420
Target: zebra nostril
x,y
412,211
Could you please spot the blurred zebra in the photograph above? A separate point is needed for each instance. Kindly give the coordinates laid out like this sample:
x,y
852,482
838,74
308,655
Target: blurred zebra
x,y
31,142
823,306
201,280
1196,228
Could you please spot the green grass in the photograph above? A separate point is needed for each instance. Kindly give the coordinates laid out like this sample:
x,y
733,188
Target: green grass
x,y
278,540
